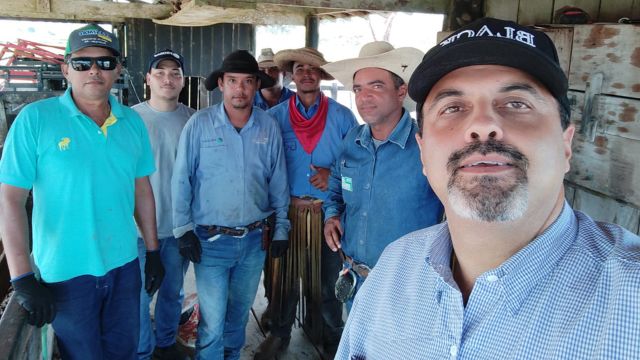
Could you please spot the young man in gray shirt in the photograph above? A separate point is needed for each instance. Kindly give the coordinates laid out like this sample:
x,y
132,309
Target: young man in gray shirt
x,y
164,118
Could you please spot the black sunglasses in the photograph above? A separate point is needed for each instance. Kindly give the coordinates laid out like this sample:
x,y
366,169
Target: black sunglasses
x,y
85,63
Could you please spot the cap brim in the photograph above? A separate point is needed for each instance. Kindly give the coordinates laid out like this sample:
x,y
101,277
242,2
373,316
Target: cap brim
x,y
211,82
114,51
486,52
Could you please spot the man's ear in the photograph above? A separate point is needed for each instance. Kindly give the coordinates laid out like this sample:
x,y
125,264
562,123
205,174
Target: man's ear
x,y
220,83
64,67
567,139
419,141
402,91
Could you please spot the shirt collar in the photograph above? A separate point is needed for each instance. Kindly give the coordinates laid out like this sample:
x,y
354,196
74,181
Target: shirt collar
x,y
223,119
398,136
312,109
67,101
522,272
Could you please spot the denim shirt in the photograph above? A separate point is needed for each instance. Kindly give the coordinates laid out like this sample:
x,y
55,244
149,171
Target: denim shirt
x,y
339,121
260,102
380,194
571,293
222,177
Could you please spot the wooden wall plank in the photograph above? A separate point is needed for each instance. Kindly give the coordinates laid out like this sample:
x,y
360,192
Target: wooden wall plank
x,y
607,165
613,115
535,12
501,9
612,49
562,38
601,208
612,10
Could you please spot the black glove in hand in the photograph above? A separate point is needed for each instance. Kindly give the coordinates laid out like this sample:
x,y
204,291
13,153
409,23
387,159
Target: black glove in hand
x,y
189,246
153,272
279,248
36,299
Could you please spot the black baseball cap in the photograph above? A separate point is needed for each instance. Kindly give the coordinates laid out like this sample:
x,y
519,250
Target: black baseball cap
x,y
92,35
166,54
490,41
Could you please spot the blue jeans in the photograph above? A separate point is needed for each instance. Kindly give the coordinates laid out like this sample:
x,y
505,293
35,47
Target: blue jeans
x,y
227,281
169,299
97,316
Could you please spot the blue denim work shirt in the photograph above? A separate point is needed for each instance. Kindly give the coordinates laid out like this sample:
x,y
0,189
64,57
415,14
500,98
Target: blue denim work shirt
x,y
571,293
339,121
260,102
380,194
222,177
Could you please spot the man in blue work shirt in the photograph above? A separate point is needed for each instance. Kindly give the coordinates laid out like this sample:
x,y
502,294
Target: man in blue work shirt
x,y
229,178
313,127
269,97
377,192
514,272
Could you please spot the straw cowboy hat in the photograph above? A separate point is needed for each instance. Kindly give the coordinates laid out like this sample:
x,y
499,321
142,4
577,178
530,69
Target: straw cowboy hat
x,y
265,59
378,54
284,60
239,61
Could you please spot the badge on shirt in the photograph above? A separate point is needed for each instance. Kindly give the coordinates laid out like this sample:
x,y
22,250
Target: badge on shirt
x,y
63,144
347,183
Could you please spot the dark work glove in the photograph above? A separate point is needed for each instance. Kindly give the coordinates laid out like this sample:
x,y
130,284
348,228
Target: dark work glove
x,y
153,272
279,248
36,299
189,246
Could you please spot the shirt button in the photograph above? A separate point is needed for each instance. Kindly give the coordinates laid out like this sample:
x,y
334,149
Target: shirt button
x,y
99,132
366,186
453,350
364,214
492,278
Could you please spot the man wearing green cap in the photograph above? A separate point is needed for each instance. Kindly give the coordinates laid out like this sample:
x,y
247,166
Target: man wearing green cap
x,y
87,159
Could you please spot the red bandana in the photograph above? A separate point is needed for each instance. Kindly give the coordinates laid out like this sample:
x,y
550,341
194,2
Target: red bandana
x,y
308,131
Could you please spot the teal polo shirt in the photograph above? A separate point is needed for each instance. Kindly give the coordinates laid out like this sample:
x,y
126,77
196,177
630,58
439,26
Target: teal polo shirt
x,y
83,184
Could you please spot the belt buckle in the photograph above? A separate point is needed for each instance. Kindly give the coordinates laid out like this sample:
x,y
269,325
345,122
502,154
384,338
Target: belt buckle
x,y
345,285
245,231
361,269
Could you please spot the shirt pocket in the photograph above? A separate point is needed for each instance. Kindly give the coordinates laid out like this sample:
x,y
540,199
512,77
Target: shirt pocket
x,y
213,157
349,179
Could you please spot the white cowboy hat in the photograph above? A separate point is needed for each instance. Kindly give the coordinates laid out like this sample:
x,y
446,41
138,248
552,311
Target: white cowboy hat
x,y
285,59
378,54
265,59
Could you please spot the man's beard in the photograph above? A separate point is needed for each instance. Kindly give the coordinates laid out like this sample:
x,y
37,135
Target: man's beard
x,y
489,198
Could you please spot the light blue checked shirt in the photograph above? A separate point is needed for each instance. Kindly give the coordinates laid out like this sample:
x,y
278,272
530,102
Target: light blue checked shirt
x,y
572,293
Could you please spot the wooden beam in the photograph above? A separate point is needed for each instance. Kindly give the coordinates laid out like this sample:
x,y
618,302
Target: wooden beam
x,y
422,6
81,10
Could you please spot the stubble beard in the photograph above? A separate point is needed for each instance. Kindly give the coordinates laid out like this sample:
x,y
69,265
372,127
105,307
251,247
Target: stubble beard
x,y
489,198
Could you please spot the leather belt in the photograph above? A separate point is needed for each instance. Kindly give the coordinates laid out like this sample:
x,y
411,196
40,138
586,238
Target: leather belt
x,y
306,202
237,231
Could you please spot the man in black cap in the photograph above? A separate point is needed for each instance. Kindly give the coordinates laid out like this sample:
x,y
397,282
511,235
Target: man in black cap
x,y
229,182
164,118
87,159
514,272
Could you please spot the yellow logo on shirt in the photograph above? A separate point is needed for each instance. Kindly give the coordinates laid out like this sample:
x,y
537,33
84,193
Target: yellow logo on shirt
x,y
63,144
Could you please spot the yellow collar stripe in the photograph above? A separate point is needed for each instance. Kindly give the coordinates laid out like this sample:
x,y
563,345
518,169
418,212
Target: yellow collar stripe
x,y
110,121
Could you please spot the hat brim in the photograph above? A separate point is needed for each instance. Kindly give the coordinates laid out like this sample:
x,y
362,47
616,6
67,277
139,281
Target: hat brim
x,y
486,52
114,51
284,60
401,61
211,82
267,63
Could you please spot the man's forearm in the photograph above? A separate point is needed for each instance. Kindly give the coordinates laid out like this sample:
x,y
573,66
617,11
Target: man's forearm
x,y
145,213
14,229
